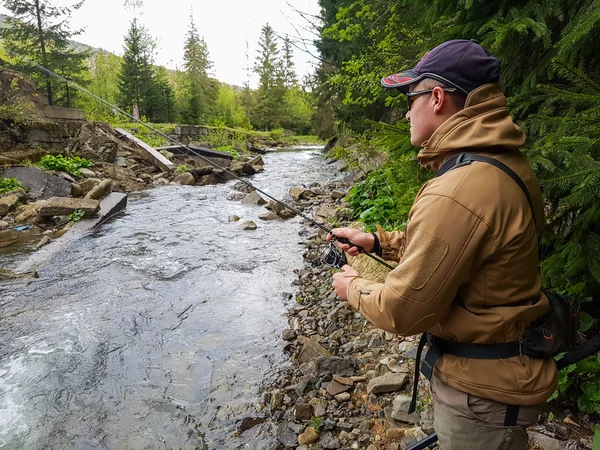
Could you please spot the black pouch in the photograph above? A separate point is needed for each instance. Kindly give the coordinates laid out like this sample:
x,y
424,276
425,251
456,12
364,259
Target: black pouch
x,y
554,332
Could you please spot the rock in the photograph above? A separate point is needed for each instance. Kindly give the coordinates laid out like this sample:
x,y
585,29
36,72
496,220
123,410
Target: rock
x,y
345,426
427,418
270,215
249,422
60,206
120,161
185,178
249,225
29,213
256,161
39,184
124,179
243,187
410,353
326,212
289,334
275,206
394,433
390,382
160,175
100,191
276,400
161,182
334,388
343,397
98,142
88,184
400,407
345,367
319,406
76,190
328,441
167,154
297,193
4,224
303,412
233,218
545,442
310,436
337,194
206,179
286,436
235,196
311,350
87,173
253,199
45,240
343,380
6,204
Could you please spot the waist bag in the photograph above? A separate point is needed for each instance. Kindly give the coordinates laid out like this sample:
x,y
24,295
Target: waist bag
x,y
552,334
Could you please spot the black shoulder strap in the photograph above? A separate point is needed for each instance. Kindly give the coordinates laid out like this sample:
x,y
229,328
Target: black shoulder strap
x,y
464,159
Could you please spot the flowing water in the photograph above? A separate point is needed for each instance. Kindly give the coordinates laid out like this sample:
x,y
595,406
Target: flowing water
x,y
156,331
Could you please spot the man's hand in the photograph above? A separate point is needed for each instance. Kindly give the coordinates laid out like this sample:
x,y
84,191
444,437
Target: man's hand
x,y
341,280
365,240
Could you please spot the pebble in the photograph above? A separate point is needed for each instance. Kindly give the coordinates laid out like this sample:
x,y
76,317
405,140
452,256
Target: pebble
x,y
310,436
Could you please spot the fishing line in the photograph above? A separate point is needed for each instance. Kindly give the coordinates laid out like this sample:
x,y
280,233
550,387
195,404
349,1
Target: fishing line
x,y
332,255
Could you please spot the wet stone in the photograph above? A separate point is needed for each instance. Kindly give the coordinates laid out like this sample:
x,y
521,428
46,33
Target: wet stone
x,y
233,218
250,422
249,225
286,436
289,334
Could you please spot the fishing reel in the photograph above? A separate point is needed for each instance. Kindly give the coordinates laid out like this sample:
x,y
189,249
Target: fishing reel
x,y
334,257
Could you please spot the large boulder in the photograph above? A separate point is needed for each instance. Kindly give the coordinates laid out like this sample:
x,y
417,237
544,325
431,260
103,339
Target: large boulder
x,y
97,141
185,178
39,184
59,206
6,203
253,199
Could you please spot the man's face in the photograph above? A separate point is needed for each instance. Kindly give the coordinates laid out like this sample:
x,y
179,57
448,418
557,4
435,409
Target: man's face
x,y
421,117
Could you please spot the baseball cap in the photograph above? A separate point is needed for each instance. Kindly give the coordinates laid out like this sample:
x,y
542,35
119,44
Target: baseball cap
x,y
460,63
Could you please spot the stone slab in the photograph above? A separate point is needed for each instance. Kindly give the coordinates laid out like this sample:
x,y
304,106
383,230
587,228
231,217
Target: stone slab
x,y
151,154
40,185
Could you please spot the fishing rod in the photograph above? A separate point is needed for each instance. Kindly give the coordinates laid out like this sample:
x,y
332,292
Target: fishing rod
x,y
332,256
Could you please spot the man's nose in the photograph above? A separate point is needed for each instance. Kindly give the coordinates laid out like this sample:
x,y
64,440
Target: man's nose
x,y
408,115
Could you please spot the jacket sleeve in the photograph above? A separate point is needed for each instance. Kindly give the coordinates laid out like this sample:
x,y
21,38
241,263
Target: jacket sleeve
x,y
446,242
390,243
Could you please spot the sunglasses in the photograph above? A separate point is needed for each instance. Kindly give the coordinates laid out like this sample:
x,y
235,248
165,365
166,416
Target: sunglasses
x,y
411,95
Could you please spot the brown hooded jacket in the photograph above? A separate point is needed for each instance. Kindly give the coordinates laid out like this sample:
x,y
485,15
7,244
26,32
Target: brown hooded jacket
x,y
468,258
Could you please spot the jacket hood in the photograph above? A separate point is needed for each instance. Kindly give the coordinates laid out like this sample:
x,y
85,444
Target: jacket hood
x,y
483,123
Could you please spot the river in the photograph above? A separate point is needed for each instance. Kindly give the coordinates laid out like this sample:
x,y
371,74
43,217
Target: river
x,y
158,330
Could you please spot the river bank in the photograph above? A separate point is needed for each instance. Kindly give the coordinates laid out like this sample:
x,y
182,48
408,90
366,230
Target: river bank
x,y
349,385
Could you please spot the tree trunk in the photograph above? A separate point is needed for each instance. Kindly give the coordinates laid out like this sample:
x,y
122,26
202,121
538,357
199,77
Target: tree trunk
x,y
44,56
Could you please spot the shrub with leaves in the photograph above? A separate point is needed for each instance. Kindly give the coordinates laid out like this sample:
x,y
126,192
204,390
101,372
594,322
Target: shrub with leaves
x,y
9,185
61,163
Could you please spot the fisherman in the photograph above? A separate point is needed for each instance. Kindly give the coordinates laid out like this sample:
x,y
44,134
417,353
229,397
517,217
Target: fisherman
x,y
468,259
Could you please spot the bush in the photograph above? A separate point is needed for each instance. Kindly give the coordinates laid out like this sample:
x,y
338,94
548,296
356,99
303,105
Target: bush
x,y
277,133
64,164
229,149
9,185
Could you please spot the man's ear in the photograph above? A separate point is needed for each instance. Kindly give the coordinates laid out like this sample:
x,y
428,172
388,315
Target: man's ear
x,y
439,99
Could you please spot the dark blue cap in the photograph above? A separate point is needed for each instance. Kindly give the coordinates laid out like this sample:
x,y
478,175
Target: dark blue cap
x,y
463,64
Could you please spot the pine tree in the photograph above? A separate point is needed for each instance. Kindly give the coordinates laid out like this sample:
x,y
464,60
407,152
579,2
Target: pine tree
x,y
38,32
288,66
267,111
201,90
136,76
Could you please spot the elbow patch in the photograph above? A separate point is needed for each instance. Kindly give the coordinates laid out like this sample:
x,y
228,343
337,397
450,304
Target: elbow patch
x,y
423,255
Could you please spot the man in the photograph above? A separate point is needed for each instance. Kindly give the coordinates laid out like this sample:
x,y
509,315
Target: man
x,y
468,259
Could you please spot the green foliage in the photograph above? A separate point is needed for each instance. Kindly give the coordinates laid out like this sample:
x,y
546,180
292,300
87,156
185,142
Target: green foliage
x,y
64,164
229,149
76,215
37,32
180,169
9,185
581,383
316,423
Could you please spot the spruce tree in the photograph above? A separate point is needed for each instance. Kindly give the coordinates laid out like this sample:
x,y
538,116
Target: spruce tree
x,y
38,32
201,89
269,105
136,76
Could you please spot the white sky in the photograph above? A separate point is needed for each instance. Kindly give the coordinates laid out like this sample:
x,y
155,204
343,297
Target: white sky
x,y
224,24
